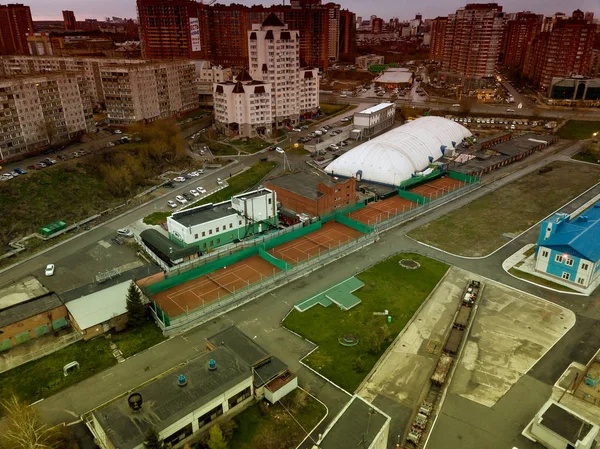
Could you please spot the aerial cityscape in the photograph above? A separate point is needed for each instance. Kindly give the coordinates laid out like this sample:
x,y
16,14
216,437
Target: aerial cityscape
x,y
299,225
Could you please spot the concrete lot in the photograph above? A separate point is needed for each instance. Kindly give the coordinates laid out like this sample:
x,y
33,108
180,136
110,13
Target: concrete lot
x,y
27,288
511,332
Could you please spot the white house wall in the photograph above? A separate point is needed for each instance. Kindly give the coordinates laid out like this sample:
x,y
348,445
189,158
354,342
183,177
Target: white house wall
x,y
282,392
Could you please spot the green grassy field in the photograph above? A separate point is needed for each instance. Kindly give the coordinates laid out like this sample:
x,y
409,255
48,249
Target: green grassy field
x,y
387,286
220,149
578,130
44,377
487,223
257,424
586,158
331,109
250,145
539,280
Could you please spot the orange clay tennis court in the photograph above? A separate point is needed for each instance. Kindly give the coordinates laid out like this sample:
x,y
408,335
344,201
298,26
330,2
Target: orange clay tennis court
x,y
331,235
382,210
211,287
437,188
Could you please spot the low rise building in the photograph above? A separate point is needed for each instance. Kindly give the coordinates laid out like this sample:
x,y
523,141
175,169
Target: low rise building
x,y
311,194
568,248
213,225
41,110
26,320
359,424
375,119
575,89
395,78
148,92
364,61
557,427
177,404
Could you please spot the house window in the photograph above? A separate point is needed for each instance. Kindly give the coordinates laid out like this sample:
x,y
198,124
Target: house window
x,y
566,276
203,233
204,246
211,415
544,253
217,229
559,259
230,225
269,200
236,399
569,262
580,281
584,266
212,243
196,236
210,232
240,223
178,436
218,241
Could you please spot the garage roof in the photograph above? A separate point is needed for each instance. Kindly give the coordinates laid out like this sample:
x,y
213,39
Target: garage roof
x,y
99,307
32,307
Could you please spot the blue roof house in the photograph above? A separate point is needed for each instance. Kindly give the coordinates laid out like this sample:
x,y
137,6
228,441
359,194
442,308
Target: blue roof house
x,y
569,249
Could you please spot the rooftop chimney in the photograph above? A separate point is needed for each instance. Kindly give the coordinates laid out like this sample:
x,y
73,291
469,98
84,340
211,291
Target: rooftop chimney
x,y
181,380
135,401
212,365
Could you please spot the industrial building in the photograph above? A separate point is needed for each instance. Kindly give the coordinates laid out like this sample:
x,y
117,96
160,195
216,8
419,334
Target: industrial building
x,y
148,92
213,225
359,424
41,110
568,248
177,404
312,194
397,155
375,119
21,321
395,78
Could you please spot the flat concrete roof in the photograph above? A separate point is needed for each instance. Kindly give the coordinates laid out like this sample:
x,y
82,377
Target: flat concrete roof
x,y
246,348
203,214
99,307
165,402
303,183
375,108
394,77
564,423
254,194
21,291
355,427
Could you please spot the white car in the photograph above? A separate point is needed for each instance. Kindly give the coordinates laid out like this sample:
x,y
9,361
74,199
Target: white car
x,y
49,269
179,179
171,203
180,199
297,130
194,174
201,190
118,131
194,192
456,105
124,233
219,181
334,147
279,150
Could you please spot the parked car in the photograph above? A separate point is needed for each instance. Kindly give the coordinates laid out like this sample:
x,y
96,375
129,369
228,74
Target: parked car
x,y
180,199
49,269
171,203
510,110
118,131
6,177
194,174
219,181
194,192
39,165
21,171
296,130
188,197
201,190
279,150
304,127
124,232
49,161
334,147
456,105
179,179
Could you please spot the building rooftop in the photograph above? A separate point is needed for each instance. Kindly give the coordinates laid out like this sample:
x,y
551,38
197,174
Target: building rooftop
x,y
357,425
18,312
203,214
376,108
168,248
395,76
164,402
246,348
581,233
272,21
569,426
268,371
253,194
521,144
303,183
100,306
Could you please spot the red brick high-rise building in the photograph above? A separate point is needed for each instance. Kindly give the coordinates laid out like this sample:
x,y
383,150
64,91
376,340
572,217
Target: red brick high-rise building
x,y
473,40
438,37
69,19
563,52
15,23
376,25
519,34
347,35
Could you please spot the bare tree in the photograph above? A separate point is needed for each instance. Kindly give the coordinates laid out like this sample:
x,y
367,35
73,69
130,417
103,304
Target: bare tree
x,y
23,427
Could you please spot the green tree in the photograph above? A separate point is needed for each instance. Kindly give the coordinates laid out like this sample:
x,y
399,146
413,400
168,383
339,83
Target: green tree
x,y
152,440
135,306
215,438
23,428
376,338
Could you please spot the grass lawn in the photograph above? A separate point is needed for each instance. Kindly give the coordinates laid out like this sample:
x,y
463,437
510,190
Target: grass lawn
x,y
300,151
488,222
387,286
133,341
253,145
44,377
586,158
331,109
156,218
239,183
220,149
258,423
578,129
538,280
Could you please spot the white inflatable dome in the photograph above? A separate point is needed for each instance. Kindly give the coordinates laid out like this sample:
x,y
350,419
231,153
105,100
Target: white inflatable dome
x,y
394,156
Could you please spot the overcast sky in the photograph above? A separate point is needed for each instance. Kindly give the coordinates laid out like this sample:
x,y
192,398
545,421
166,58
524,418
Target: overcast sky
x,y
403,9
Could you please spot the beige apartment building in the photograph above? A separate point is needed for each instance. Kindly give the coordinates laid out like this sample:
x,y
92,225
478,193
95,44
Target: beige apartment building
x,y
41,110
243,108
148,92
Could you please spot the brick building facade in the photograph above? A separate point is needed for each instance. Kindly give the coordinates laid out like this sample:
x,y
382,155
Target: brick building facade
x,y
519,34
307,193
438,36
15,23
